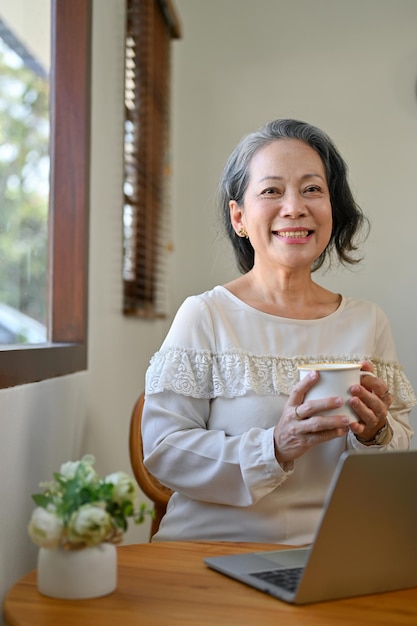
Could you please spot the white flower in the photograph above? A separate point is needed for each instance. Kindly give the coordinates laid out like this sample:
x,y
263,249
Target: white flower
x,y
124,487
45,528
90,524
69,469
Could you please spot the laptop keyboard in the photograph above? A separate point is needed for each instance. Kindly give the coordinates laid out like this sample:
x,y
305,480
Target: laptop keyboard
x,y
284,578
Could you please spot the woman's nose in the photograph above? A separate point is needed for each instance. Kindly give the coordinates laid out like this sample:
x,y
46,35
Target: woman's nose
x,y
293,206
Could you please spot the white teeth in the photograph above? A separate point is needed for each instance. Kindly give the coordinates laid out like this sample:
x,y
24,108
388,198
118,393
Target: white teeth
x,y
294,234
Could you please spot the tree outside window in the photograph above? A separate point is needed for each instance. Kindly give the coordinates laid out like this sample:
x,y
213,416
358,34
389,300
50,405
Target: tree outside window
x,y
24,189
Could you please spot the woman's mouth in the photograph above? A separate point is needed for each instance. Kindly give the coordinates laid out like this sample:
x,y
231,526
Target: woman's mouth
x,y
293,234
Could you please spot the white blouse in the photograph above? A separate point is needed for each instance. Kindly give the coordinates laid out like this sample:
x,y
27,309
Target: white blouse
x,y
214,393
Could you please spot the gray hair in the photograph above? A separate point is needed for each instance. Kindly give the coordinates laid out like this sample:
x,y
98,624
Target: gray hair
x,y
348,219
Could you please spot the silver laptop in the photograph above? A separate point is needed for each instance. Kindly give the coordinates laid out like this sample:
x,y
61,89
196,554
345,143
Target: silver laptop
x,y
366,541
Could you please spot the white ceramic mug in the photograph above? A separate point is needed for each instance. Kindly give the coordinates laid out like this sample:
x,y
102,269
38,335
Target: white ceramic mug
x,y
335,379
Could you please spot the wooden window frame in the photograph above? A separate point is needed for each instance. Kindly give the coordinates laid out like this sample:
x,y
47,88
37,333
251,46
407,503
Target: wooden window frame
x,y
66,350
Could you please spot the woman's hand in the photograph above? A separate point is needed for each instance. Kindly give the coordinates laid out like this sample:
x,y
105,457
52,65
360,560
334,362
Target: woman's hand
x,y
371,401
302,424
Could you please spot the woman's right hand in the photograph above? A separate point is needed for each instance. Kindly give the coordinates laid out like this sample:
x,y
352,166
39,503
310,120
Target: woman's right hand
x,y
302,424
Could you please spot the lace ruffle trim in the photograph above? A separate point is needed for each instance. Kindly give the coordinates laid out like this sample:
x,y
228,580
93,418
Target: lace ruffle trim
x,y
201,374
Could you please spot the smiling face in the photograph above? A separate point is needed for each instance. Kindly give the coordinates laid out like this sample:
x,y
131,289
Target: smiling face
x,y
286,209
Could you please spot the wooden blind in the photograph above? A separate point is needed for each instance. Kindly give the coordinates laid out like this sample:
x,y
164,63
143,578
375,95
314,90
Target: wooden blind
x,y
151,24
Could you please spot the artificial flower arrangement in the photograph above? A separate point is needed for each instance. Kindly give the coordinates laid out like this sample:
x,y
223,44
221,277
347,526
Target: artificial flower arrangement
x,y
79,509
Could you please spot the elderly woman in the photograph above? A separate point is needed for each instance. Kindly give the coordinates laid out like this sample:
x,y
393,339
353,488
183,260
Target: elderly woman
x,y
225,424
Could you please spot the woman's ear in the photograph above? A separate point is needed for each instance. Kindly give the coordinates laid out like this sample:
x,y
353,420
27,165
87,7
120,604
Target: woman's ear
x,y
236,216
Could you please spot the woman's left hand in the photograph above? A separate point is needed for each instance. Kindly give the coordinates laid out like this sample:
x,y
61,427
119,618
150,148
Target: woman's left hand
x,y
371,401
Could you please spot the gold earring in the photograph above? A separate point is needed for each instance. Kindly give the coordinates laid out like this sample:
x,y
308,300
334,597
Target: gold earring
x,y
243,232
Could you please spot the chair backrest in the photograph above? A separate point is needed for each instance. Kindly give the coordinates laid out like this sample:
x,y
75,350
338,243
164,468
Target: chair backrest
x,y
151,487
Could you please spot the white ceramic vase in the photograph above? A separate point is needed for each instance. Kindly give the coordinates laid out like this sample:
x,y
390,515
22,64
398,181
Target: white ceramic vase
x,y
77,574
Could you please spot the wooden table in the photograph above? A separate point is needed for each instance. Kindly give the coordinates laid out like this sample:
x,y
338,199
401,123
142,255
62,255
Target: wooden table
x,y
161,584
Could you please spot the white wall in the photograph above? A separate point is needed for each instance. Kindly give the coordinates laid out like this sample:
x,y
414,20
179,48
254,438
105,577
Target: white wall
x,y
349,67
119,347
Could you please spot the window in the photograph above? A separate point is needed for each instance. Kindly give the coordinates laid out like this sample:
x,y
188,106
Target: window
x,y
66,350
24,173
151,24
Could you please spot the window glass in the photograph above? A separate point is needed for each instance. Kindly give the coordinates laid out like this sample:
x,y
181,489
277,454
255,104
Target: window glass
x,y
24,175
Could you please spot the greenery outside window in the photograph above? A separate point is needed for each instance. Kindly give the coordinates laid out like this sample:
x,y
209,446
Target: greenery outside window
x,y
24,186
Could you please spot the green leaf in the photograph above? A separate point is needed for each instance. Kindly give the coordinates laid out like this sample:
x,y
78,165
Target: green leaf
x,y
41,499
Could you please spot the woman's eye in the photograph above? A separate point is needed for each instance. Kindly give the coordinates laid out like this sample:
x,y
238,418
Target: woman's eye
x,y
269,191
312,189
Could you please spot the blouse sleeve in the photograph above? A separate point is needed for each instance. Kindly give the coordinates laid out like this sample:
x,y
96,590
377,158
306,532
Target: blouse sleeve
x,y
387,367
179,449
206,464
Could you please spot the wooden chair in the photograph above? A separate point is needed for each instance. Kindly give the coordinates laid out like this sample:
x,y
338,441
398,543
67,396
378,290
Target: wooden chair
x,y
150,486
